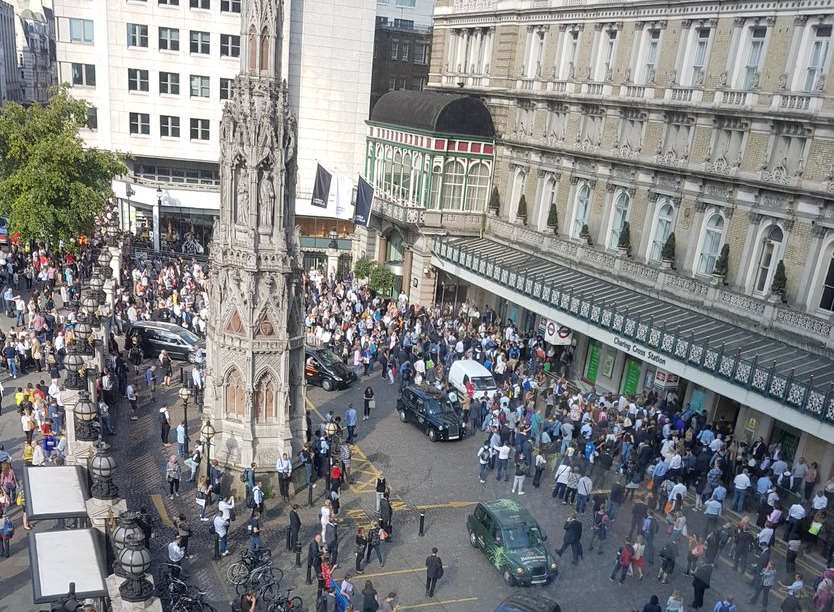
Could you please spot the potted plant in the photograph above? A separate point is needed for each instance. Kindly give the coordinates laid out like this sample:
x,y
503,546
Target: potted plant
x,y
521,212
667,253
585,234
780,280
722,264
362,268
624,240
553,219
495,201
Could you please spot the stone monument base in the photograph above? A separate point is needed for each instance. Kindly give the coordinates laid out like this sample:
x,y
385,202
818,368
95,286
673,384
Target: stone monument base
x,y
119,605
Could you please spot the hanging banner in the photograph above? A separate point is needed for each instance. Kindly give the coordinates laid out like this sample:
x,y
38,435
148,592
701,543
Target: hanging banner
x,y
364,200
557,334
631,377
321,188
592,361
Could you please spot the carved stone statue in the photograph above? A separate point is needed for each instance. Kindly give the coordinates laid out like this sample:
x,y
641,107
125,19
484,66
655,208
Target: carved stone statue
x,y
266,196
242,208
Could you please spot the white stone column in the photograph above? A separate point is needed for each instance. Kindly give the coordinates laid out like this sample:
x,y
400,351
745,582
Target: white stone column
x,y
117,604
101,511
78,451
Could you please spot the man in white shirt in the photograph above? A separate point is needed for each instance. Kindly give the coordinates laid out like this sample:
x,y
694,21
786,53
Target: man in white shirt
x,y
503,459
678,489
221,530
795,514
741,483
284,468
820,501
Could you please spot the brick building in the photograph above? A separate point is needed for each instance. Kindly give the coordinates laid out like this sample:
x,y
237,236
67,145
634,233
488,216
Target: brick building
x,y
401,56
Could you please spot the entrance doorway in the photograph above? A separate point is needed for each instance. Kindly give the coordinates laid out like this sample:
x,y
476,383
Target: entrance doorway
x,y
787,437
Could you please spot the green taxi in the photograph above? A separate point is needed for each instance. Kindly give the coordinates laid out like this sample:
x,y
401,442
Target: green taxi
x,y
513,542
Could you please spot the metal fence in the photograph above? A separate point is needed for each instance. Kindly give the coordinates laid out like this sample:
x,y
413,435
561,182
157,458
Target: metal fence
x,y
763,379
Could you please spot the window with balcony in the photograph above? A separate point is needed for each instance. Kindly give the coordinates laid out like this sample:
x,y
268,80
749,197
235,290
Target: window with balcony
x,y
200,86
169,126
225,88
230,6
711,241
452,196
581,209
770,253
81,31
137,79
83,75
570,45
137,35
139,124
395,49
477,187
547,199
604,66
753,55
818,58
647,70
622,204
535,49
827,297
200,129
169,83
697,58
663,226
200,42
169,39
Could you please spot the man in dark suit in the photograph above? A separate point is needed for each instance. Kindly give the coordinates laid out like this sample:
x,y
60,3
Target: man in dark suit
x,y
331,541
313,557
386,513
434,571
295,526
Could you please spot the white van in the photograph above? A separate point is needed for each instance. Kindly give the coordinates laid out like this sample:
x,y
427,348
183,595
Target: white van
x,y
480,377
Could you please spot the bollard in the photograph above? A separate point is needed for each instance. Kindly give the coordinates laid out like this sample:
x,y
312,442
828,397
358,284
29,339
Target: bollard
x,y
182,376
310,494
309,574
422,523
298,554
216,547
288,539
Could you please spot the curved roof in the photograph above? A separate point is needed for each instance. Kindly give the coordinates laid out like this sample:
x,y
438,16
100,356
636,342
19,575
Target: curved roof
x,y
435,112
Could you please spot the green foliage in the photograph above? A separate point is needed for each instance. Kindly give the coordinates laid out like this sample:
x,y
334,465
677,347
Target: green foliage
x,y
780,280
722,264
495,201
362,267
553,218
51,186
624,239
381,280
521,212
668,251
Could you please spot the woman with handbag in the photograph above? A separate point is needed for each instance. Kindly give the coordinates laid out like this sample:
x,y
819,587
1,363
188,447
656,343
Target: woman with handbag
x,y
204,498
370,402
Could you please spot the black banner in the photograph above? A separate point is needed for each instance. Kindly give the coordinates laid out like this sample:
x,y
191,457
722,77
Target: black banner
x,y
321,190
364,200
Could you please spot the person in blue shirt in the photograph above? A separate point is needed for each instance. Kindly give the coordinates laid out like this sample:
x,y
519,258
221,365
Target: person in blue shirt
x,y
350,422
706,436
763,484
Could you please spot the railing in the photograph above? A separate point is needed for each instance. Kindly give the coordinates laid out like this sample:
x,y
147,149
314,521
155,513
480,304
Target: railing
x,y
681,94
762,379
796,102
733,97
633,91
560,87
594,89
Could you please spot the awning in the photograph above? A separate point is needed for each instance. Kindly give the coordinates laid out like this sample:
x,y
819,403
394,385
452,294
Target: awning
x,y
71,555
758,367
55,491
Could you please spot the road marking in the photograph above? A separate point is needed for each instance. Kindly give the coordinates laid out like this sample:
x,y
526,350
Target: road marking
x,y
394,573
440,602
451,504
160,508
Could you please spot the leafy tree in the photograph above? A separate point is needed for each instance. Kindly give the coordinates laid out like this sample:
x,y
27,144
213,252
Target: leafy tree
x,y
780,280
495,201
553,218
722,264
624,239
51,186
521,213
667,253
362,267
381,280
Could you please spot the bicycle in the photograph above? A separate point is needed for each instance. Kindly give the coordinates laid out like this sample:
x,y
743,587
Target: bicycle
x,y
286,603
192,603
169,587
239,572
263,580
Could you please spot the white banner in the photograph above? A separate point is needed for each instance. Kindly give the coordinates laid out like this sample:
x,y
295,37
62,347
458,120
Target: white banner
x,y
556,334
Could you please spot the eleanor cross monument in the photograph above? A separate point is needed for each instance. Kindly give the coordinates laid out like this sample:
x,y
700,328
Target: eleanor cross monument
x,y
255,345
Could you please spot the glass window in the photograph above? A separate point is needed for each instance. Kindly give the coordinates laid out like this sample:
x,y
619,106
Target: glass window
x,y
229,45
140,123
711,247
92,118
199,129
137,80
265,401
235,395
200,86
225,88
81,30
700,56
768,259
818,56
201,4
169,39
621,206
137,35
169,2
452,196
662,229
169,83
754,56
395,50
169,126
436,180
582,207
200,42
477,187
230,6
827,299
650,62
84,75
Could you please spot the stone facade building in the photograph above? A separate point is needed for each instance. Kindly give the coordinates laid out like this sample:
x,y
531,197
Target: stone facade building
x,y
35,41
9,76
711,122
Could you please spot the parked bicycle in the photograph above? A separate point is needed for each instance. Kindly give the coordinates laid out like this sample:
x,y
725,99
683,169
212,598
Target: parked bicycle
x,y
192,603
264,581
286,603
238,572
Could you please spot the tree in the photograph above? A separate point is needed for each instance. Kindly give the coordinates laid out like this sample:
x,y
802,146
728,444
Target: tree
x,y
722,264
624,239
521,212
362,267
553,218
381,280
780,280
51,186
667,253
495,201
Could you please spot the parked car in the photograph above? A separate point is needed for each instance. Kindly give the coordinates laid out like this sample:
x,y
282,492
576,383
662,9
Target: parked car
x,y
512,541
156,336
477,374
4,231
527,602
431,411
324,368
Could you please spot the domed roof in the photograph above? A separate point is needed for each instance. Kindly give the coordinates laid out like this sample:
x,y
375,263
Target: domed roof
x,y
434,111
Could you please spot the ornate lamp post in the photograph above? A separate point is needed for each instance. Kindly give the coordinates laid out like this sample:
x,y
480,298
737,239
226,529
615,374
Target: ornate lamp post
x,y
135,560
185,395
83,331
103,259
128,526
97,284
207,432
333,235
90,304
85,415
102,466
73,362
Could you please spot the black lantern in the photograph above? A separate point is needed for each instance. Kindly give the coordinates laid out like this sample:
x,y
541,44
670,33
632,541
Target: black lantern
x,y
97,284
73,362
185,395
128,526
135,560
103,258
83,332
102,465
90,304
207,432
85,416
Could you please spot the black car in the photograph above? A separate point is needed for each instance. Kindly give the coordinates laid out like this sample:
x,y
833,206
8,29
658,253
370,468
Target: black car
x,y
431,410
324,368
523,602
156,336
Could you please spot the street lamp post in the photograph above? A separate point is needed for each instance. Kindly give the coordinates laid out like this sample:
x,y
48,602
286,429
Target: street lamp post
x,y
207,432
185,395
85,415
73,362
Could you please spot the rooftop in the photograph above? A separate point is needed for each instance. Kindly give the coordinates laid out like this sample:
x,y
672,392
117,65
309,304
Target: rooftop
x,y
434,112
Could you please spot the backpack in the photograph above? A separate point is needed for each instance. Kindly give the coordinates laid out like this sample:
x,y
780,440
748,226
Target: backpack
x,y
484,455
8,529
725,607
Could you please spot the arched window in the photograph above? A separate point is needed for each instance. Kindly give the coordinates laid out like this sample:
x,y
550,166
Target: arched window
x,y
436,181
827,296
515,195
388,170
452,196
405,181
662,229
380,164
769,255
621,206
581,209
397,174
477,187
264,49
417,190
395,247
265,400
235,396
547,199
711,244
